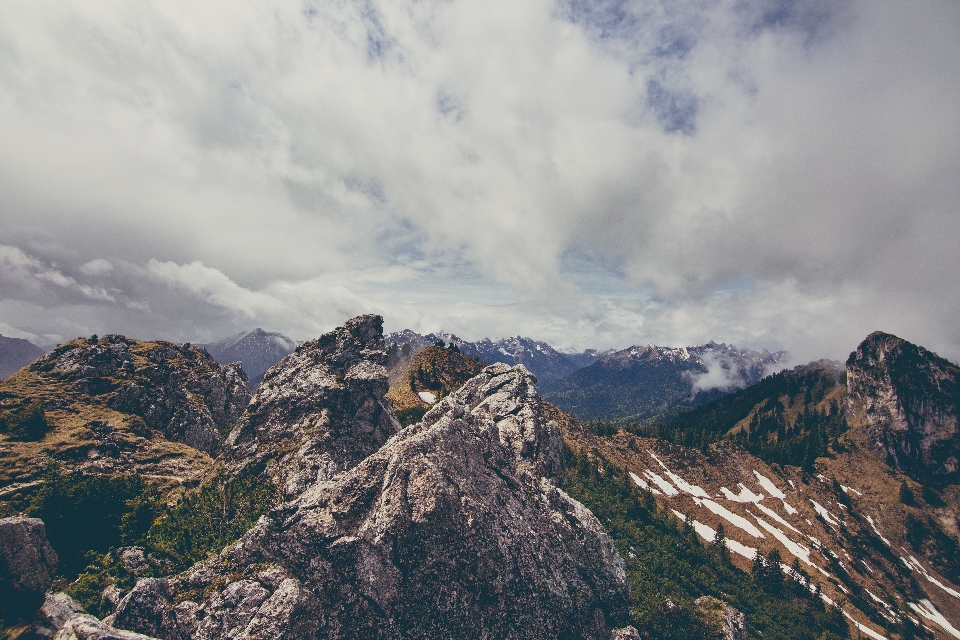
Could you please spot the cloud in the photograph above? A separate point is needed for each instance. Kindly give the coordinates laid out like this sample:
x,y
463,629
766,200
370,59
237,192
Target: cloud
x,y
212,286
721,374
96,267
590,173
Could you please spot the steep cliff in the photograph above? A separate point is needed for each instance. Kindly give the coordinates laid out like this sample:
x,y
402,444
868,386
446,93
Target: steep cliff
x,y
910,399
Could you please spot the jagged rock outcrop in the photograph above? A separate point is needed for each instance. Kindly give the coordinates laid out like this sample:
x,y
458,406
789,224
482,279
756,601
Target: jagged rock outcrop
x,y
722,619
27,564
455,528
910,398
319,411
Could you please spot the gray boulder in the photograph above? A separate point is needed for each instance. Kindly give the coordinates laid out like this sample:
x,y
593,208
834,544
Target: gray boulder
x,y
27,565
86,627
56,610
455,528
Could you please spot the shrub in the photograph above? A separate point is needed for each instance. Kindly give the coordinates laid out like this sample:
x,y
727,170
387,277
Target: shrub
x,y
28,422
86,514
211,518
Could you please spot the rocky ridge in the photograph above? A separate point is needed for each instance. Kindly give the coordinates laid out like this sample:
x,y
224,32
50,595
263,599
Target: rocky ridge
x,y
117,405
318,412
455,527
910,398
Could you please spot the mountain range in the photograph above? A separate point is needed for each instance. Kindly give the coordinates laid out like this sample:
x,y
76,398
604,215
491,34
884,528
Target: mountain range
x,y
638,383
645,382
819,502
546,363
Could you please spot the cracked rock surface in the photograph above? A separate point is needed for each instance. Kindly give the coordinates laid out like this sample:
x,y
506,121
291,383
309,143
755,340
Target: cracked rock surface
x,y
319,411
455,527
27,562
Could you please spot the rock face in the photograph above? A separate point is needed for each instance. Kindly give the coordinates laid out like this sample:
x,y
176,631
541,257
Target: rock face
x,y
176,389
56,610
319,411
455,528
910,397
27,563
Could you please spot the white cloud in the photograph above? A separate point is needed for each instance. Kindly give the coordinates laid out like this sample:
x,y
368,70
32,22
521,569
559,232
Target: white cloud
x,y
96,267
593,174
212,286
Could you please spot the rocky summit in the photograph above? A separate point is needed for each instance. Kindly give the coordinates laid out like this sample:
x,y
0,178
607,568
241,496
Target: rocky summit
x,y
911,398
319,411
110,404
455,528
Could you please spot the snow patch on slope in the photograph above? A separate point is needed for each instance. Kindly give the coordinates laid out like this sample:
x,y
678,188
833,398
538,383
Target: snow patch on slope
x,y
745,495
640,482
926,609
732,518
768,485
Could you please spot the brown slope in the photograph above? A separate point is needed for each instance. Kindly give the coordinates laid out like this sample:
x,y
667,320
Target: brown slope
x,y
847,556
116,405
435,370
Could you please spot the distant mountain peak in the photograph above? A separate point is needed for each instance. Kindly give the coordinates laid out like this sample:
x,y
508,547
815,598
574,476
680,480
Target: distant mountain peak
x,y
16,353
257,350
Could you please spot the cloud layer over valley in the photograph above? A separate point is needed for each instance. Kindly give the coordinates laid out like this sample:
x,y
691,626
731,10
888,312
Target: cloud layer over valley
x,y
770,173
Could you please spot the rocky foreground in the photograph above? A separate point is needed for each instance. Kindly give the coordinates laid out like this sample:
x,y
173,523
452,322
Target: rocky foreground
x,y
459,526
453,527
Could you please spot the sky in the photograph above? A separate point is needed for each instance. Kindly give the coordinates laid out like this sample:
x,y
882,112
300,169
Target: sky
x,y
780,174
